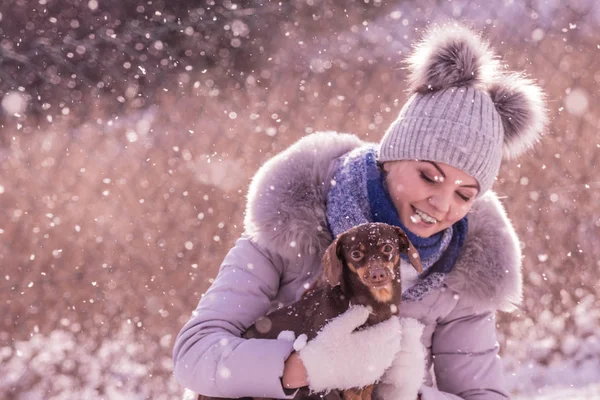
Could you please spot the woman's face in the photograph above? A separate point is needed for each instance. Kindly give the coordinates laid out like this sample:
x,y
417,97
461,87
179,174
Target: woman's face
x,y
429,196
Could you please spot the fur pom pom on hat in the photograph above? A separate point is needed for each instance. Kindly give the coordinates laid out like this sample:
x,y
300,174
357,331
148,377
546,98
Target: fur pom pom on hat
x,y
465,111
448,56
520,104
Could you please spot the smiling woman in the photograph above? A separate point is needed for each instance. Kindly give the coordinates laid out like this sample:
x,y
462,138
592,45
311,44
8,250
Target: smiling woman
x,y
429,196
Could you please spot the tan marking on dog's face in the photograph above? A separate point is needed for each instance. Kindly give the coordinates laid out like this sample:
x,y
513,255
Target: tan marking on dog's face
x,y
362,273
391,267
352,267
384,294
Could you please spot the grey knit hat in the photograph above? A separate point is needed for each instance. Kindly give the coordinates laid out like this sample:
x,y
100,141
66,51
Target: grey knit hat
x,y
465,111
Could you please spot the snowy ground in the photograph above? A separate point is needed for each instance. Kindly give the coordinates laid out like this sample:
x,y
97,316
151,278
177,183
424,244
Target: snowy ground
x,y
569,379
590,392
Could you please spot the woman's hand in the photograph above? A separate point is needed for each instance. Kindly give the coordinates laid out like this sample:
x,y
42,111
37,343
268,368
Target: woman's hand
x,y
407,373
294,373
341,358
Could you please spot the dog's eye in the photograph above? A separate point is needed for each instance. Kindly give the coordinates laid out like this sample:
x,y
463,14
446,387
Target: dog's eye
x,y
356,255
387,248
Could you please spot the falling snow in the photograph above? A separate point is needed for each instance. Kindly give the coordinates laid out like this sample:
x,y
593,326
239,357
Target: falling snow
x,y
131,132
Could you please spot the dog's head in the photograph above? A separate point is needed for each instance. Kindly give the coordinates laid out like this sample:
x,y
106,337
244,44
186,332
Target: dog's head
x,y
372,252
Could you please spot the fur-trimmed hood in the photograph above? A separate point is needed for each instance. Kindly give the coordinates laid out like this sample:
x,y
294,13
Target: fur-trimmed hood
x,y
286,214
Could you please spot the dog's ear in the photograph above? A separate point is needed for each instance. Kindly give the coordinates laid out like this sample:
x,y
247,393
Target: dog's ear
x,y
332,265
407,246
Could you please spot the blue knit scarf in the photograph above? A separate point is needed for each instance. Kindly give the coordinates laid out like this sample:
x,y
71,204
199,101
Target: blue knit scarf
x,y
359,194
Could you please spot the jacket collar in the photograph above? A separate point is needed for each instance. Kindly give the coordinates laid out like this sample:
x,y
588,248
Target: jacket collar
x,y
286,214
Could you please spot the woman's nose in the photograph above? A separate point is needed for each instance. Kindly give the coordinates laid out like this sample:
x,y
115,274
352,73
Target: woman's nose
x,y
440,201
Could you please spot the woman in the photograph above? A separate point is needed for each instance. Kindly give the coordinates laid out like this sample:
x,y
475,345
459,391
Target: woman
x,y
430,174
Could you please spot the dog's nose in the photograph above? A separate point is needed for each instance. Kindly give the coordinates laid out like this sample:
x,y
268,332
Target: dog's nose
x,y
378,275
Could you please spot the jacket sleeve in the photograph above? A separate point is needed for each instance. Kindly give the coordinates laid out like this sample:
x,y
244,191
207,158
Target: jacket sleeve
x,y
465,358
209,355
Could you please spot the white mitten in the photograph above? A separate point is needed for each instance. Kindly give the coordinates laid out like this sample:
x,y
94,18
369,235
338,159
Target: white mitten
x,y
338,358
404,378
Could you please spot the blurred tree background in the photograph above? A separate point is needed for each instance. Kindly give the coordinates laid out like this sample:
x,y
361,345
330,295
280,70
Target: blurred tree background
x,y
130,131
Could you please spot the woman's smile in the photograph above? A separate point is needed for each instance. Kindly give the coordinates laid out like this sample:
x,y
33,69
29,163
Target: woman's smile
x,y
422,217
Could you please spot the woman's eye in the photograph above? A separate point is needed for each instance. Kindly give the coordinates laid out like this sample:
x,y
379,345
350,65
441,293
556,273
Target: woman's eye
x,y
388,248
426,178
356,255
465,198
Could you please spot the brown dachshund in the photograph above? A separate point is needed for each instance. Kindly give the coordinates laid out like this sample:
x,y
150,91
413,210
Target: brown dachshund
x,y
362,266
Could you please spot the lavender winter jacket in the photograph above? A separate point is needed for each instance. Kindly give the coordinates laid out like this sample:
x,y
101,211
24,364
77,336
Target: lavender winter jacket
x,y
285,236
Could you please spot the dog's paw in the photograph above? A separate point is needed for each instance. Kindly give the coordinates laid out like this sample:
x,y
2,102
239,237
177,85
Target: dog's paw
x,y
300,342
288,336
